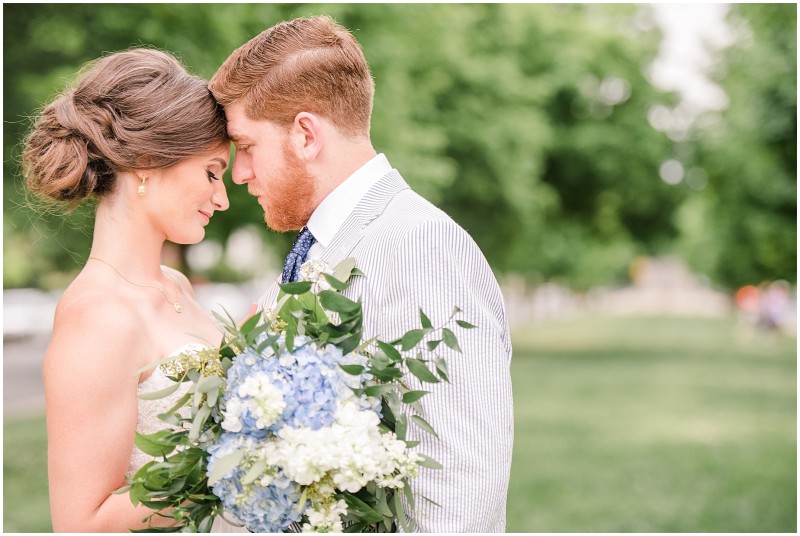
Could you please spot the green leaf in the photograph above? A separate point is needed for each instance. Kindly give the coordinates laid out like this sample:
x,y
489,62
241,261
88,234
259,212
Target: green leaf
x,y
364,511
419,369
401,513
411,339
441,368
209,383
335,283
388,374
353,370
422,423
432,344
401,427
254,472
155,395
251,322
413,396
429,462
291,332
213,397
180,403
170,418
300,287
464,324
381,506
205,524
344,269
152,444
390,406
198,422
224,465
426,322
333,301
390,351
409,496
377,390
450,339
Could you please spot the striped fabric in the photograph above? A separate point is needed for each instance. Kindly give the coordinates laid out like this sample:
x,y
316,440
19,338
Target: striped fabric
x,y
415,256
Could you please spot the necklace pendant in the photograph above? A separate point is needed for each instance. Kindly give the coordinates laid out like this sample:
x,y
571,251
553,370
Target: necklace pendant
x,y
178,308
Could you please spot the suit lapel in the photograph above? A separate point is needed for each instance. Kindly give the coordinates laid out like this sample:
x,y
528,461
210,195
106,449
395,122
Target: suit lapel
x,y
370,207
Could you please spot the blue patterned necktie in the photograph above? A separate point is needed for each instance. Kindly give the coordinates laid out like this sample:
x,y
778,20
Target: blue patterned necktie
x,y
297,256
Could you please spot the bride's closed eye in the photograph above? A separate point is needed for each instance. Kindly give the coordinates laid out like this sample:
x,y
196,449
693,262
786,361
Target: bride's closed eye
x,y
211,175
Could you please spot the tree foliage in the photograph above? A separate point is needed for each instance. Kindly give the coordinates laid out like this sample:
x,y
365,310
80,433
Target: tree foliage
x,y
749,153
526,122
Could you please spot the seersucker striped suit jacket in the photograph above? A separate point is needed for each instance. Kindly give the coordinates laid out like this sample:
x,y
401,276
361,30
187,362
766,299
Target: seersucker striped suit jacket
x,y
415,256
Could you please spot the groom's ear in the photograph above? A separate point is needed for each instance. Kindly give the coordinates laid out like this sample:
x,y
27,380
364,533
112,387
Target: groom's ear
x,y
307,135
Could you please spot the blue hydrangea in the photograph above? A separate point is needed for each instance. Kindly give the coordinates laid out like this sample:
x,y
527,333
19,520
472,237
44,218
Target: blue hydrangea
x,y
309,378
261,508
312,384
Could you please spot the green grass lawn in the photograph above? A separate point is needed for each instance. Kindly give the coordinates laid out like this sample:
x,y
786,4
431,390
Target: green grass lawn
x,y
622,425
25,502
652,425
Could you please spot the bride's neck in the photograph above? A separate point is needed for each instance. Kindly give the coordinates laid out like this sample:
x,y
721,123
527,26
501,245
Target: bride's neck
x,y
125,242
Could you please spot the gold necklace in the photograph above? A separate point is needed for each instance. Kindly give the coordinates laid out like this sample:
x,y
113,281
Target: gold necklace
x,y
176,304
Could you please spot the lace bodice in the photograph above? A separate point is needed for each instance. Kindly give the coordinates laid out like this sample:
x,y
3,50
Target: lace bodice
x,y
147,420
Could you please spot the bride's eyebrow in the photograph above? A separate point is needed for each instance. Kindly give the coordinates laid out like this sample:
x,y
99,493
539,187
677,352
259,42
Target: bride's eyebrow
x,y
223,164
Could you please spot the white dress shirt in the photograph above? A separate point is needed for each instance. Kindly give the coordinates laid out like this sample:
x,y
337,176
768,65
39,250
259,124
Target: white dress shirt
x,y
334,210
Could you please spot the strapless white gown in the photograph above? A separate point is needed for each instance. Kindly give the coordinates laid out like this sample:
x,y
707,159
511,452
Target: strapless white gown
x,y
147,421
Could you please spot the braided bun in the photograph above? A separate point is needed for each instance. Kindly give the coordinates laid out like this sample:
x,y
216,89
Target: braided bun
x,y
137,109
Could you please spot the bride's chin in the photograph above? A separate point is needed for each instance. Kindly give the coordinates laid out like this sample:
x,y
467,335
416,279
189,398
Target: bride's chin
x,y
188,240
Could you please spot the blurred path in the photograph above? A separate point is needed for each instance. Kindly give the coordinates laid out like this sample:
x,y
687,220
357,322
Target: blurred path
x,y
660,287
27,326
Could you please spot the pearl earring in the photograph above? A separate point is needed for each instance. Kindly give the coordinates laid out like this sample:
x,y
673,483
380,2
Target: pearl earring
x,y
141,189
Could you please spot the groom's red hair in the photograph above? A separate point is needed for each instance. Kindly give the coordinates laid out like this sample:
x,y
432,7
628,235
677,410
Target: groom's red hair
x,y
305,65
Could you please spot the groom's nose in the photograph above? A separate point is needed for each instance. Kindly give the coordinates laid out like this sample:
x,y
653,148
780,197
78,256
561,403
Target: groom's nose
x,y
242,171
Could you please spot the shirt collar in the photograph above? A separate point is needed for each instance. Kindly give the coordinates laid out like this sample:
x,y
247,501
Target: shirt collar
x,y
331,214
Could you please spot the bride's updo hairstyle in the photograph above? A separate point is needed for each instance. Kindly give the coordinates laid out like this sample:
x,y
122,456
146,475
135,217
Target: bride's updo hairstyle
x,y
137,109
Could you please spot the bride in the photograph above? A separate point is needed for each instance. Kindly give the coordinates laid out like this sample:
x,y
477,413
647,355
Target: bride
x,y
148,142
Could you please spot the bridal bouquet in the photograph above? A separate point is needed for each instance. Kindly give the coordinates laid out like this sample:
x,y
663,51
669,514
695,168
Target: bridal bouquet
x,y
295,419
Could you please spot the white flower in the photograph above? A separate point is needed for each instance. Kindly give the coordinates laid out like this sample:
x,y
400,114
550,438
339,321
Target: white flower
x,y
352,452
258,397
325,517
312,271
232,421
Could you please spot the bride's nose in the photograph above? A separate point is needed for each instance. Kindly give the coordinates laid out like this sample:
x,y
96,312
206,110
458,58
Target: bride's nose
x,y
220,196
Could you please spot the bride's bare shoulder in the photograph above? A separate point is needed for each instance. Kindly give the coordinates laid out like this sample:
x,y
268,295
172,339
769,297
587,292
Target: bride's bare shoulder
x,y
96,304
93,327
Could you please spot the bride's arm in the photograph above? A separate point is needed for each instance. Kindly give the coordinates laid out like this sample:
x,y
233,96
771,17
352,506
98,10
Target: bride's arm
x,y
90,384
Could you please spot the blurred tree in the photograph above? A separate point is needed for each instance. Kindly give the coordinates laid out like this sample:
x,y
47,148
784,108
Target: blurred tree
x,y
526,122
748,212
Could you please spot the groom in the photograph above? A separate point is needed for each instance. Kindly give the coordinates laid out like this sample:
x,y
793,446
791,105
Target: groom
x,y
298,99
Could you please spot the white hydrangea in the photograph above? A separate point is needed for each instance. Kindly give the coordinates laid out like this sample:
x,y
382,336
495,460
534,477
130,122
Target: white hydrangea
x,y
352,452
257,397
312,271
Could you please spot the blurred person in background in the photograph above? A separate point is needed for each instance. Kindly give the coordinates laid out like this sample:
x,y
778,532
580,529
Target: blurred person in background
x,y
147,141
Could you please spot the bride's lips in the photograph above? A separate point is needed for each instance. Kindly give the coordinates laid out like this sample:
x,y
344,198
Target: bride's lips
x,y
206,214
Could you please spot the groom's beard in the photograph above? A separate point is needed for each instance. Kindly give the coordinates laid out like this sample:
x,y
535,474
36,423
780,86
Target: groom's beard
x,y
290,200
